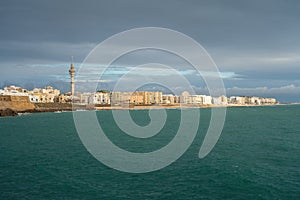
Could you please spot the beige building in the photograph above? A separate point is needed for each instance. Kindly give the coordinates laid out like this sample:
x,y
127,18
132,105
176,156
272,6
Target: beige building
x,y
170,99
145,98
63,99
136,98
37,95
115,98
268,100
255,100
237,100
152,97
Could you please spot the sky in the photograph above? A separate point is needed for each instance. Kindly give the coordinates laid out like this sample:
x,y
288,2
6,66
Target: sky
x,y
255,44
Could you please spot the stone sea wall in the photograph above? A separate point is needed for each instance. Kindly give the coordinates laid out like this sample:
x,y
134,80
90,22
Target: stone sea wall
x,y
12,105
16,103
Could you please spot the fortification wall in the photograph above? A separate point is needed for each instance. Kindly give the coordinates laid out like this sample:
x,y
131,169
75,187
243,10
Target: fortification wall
x,y
17,103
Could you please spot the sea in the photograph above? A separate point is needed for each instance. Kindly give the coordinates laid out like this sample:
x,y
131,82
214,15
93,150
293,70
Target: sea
x,y
256,157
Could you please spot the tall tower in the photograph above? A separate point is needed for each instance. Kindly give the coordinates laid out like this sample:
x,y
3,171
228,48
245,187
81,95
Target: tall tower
x,y
72,74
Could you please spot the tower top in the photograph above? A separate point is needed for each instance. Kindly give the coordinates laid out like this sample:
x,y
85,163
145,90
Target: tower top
x,y
72,68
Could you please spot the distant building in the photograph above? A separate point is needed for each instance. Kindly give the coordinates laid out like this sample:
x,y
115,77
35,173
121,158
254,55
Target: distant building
x,y
14,90
63,98
99,98
170,99
248,100
270,101
152,98
104,97
115,98
145,98
186,98
222,100
83,98
136,98
43,95
237,100
207,100
255,100
196,99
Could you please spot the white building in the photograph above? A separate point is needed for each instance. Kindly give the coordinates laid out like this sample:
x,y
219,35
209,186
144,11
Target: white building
x,y
83,98
237,100
43,95
206,99
34,98
99,98
14,89
195,99
184,98
255,100
222,100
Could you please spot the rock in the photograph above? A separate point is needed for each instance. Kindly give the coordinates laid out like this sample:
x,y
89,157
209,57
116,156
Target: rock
x,y
8,112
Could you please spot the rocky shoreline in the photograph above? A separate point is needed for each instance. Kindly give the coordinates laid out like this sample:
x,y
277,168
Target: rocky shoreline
x,y
37,108
8,112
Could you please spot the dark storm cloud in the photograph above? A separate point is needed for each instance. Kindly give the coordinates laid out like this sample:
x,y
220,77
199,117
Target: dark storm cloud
x,y
234,23
257,40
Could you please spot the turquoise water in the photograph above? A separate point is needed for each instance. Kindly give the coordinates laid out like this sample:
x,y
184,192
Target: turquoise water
x,y
257,157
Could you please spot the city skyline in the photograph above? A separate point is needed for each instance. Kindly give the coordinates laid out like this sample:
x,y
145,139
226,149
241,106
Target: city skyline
x,y
255,44
50,95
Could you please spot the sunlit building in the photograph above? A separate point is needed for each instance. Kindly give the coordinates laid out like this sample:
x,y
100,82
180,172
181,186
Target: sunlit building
x,y
99,98
170,99
222,100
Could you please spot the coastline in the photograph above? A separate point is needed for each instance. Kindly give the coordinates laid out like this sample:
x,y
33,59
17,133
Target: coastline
x,y
68,107
177,106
